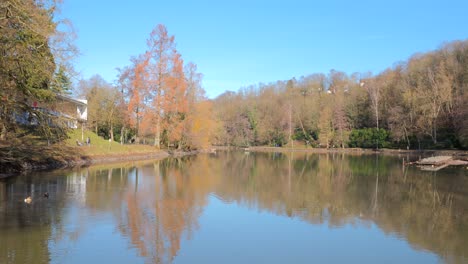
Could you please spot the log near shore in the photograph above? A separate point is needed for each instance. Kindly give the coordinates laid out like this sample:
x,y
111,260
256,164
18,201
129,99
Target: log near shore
x,y
439,162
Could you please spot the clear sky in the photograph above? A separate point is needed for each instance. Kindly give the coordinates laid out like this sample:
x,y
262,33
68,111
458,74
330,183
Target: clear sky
x,y
243,42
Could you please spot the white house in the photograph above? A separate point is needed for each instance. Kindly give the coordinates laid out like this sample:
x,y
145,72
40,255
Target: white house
x,y
69,110
74,110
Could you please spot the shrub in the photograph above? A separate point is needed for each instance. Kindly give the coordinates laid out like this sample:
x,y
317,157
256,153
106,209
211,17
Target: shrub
x,y
369,138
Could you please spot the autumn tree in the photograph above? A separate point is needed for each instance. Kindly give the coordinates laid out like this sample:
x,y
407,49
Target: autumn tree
x,y
373,88
456,57
174,102
339,87
358,107
103,104
129,84
134,82
437,93
200,126
308,110
325,124
161,49
270,117
164,97
234,120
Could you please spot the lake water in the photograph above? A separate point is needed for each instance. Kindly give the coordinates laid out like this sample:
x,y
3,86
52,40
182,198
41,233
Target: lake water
x,y
236,207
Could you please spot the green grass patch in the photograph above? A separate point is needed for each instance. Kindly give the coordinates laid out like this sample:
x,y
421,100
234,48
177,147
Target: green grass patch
x,y
100,146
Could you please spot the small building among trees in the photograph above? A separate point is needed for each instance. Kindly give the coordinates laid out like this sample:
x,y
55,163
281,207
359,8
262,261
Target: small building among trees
x,y
65,110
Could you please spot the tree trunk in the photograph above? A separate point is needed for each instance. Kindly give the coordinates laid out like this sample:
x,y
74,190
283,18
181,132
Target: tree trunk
x,y
137,136
3,132
306,135
2,122
122,135
342,139
407,138
377,119
377,115
111,132
157,135
290,126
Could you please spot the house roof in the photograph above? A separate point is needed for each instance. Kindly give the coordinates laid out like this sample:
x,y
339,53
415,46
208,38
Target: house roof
x,y
72,100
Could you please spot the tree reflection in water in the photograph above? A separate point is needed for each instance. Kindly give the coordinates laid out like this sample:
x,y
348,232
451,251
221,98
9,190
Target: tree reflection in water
x,y
158,204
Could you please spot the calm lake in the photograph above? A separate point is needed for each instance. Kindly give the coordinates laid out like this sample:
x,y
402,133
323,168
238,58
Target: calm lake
x,y
236,207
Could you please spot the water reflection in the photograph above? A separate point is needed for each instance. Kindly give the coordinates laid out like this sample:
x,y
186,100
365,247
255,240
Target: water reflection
x,y
152,208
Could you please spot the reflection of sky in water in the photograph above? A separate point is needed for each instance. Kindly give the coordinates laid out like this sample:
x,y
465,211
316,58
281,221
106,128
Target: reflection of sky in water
x,y
98,242
230,233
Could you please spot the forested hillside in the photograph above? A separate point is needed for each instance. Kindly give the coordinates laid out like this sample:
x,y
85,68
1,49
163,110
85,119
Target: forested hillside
x,y
418,103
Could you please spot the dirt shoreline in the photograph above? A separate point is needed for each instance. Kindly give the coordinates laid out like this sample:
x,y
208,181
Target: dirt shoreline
x,y
22,167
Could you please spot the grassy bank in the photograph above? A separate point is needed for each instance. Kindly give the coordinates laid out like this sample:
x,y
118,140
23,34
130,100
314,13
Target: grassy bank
x,y
30,153
102,147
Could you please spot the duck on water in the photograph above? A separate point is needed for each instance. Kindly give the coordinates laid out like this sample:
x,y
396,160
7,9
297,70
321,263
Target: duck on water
x,y
28,199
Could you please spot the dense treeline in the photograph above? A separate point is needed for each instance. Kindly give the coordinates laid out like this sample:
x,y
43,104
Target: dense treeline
x,y
157,100
420,103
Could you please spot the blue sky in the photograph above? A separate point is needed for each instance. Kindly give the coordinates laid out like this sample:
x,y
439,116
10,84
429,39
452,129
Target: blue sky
x,y
242,42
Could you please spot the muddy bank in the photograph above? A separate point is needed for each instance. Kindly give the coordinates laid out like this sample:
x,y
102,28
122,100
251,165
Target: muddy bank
x,y
8,169
20,160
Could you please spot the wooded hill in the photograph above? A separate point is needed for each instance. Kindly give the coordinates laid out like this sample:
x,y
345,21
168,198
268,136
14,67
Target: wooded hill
x,y
418,103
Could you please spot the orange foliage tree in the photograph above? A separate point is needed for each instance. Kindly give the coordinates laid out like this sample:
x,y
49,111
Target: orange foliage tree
x,y
161,48
174,102
132,84
164,97
200,122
